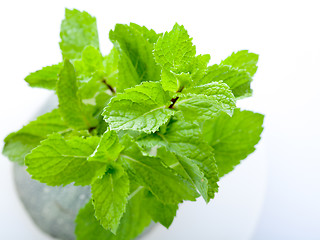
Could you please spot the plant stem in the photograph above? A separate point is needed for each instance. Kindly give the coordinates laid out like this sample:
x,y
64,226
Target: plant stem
x,y
174,100
109,86
91,129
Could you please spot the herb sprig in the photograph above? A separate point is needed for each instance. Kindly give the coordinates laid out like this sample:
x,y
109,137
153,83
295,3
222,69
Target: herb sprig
x,y
148,126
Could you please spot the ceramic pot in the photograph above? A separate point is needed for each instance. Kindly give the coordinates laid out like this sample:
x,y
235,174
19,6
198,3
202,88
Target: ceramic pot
x,y
53,209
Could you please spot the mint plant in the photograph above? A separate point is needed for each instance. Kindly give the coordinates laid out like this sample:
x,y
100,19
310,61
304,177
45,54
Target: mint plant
x,y
148,126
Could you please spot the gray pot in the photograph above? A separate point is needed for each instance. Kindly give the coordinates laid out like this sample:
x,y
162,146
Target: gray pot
x,y
53,209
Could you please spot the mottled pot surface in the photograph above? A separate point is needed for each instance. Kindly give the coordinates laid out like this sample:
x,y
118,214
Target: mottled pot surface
x,y
53,209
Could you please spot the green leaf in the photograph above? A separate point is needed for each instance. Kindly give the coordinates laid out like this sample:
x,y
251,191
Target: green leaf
x,y
110,63
174,82
199,66
91,61
110,199
72,110
233,138
200,107
159,212
185,139
186,168
151,173
70,133
135,219
219,90
174,51
47,77
148,34
127,74
101,100
88,227
78,30
243,60
60,162
133,222
136,58
20,143
91,73
142,108
236,71
237,79
176,54
88,90
108,149
169,81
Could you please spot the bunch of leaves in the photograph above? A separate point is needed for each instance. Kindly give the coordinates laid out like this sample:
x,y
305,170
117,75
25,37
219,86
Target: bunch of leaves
x,y
148,126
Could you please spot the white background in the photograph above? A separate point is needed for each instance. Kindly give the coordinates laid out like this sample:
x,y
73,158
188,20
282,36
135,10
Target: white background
x,y
275,194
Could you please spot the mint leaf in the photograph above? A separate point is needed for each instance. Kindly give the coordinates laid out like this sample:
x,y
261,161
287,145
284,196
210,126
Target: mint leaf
x,y
176,54
78,30
174,50
151,173
185,139
108,149
159,212
149,34
91,73
135,219
60,162
186,168
70,133
199,66
110,198
237,79
127,74
136,58
47,77
88,227
169,81
243,60
142,108
236,71
20,143
233,138
91,61
218,90
71,108
89,89
202,107
174,82
101,100
133,222
110,63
